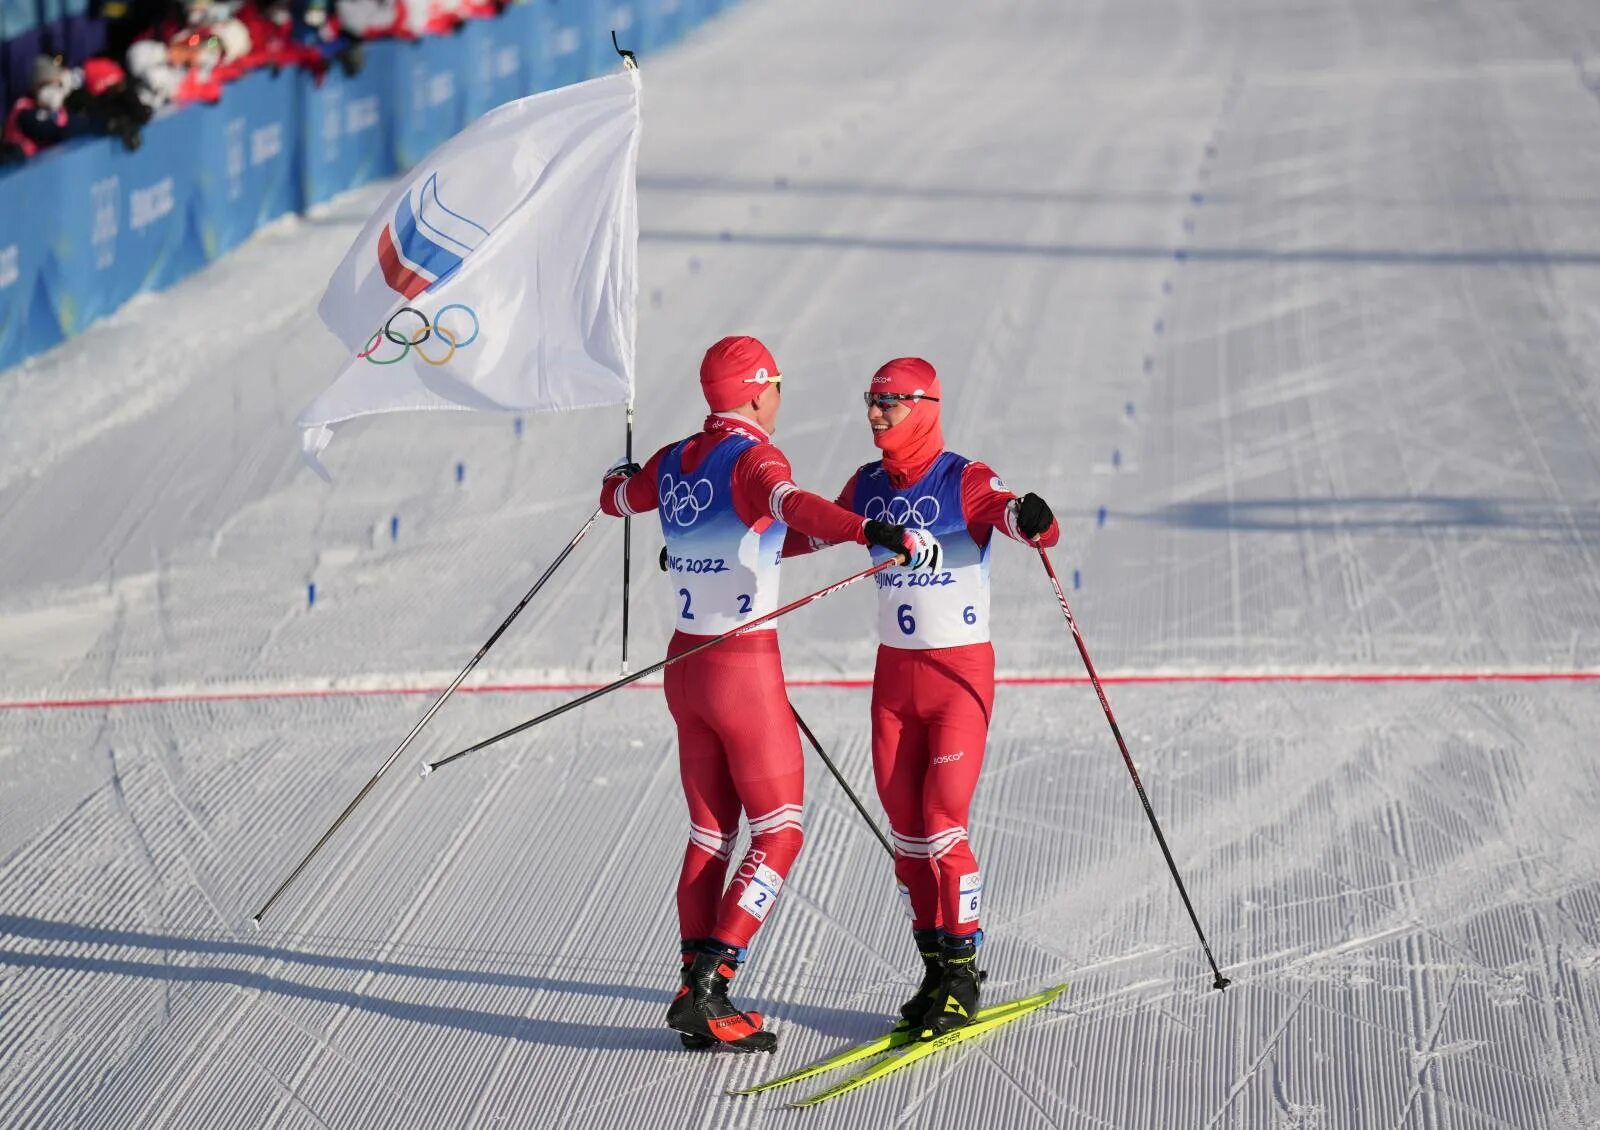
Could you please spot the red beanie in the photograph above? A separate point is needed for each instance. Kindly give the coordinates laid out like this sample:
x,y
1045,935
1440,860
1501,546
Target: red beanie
x,y
906,375
734,372
910,447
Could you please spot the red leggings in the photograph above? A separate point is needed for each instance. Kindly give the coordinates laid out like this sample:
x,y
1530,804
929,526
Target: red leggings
x,y
930,721
738,749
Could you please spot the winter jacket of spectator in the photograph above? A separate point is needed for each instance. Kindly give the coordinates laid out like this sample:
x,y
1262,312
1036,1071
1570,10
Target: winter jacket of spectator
x,y
31,127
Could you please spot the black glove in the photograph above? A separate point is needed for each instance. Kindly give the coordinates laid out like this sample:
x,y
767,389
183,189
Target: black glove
x,y
1033,516
624,467
887,536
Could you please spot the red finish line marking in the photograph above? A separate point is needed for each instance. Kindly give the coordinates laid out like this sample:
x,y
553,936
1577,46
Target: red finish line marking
x,y
1217,678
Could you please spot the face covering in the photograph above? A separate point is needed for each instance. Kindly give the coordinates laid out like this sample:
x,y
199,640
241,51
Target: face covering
x,y
910,447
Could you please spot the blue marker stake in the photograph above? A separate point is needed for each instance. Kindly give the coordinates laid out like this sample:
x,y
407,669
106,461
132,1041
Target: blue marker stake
x,y
518,427
1116,458
1077,579
311,594
1100,518
394,528
461,472
1128,408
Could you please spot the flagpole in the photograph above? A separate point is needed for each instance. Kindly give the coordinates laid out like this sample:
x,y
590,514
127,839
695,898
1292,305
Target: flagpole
x,y
627,551
631,63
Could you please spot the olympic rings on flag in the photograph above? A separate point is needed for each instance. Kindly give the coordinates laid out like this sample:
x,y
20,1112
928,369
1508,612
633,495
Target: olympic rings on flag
x,y
394,333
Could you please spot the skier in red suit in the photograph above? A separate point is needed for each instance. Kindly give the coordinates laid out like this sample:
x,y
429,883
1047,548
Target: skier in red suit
x,y
726,498
933,689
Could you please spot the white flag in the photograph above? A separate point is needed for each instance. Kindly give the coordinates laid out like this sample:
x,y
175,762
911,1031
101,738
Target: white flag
x,y
503,274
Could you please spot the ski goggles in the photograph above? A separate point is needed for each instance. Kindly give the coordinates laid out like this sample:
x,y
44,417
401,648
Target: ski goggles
x,y
883,401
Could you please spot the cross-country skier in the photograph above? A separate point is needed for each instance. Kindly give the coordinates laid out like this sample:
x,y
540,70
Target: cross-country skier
x,y
725,497
933,689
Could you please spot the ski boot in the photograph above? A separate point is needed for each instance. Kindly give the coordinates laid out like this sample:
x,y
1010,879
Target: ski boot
x,y
915,1010
957,1002
690,1041
703,1011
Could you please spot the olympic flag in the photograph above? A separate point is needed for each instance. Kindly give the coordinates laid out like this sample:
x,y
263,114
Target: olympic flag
x,y
502,275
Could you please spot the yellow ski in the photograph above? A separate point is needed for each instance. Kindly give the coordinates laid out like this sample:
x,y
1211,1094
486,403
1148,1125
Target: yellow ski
x,y
899,1037
909,1052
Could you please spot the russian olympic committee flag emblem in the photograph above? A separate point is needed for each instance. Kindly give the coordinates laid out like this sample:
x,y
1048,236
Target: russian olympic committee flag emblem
x,y
502,273
426,243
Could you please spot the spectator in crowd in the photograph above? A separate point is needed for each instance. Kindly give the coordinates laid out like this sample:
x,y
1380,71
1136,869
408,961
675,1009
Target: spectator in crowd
x,y
39,118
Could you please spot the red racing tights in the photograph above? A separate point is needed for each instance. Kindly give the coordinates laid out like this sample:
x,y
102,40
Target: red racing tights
x,y
930,721
738,749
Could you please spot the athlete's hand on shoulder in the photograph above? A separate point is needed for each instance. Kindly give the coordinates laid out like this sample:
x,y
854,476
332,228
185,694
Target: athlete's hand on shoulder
x,y
1033,516
623,468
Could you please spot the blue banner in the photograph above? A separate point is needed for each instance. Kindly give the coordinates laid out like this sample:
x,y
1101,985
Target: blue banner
x,y
344,131
88,225
426,95
563,29
620,16
244,159
27,323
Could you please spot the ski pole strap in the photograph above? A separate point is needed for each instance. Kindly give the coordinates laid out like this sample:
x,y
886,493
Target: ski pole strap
x,y
616,684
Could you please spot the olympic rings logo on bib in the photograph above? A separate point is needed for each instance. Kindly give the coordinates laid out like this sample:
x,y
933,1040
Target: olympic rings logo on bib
x,y
901,511
409,329
679,497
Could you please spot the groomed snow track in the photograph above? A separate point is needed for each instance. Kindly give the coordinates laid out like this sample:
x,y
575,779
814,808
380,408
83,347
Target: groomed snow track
x,y
1304,296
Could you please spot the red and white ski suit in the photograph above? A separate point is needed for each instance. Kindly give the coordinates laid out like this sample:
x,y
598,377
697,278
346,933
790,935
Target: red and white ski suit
x,y
725,497
933,687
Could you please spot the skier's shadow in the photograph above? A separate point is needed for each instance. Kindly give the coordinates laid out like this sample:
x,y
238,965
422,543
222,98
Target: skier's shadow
x,y
79,948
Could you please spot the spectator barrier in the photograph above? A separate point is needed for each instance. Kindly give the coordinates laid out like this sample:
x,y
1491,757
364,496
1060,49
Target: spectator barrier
x,y
86,225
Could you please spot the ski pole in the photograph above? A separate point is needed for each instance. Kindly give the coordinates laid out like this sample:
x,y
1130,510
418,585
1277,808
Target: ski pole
x,y
432,710
615,684
1221,982
843,784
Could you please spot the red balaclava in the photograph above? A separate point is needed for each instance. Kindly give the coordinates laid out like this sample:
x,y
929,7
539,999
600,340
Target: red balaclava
x,y
910,447
734,372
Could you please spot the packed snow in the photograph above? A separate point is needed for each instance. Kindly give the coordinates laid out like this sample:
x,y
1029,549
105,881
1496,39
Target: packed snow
x,y
1293,313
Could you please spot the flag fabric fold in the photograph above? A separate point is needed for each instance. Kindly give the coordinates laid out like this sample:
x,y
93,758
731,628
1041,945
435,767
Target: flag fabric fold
x,y
502,274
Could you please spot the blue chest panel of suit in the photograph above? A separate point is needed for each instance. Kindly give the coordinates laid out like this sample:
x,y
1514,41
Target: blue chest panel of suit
x,y
725,572
919,609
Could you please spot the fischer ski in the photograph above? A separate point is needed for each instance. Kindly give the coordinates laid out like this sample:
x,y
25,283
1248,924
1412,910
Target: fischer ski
x,y
899,1037
914,1050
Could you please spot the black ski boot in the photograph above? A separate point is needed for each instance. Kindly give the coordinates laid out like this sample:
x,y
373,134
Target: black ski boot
x,y
686,952
957,1004
703,1011
915,1011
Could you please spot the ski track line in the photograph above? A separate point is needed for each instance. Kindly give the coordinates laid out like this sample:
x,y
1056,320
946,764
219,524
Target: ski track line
x,y
487,1090
854,682
470,825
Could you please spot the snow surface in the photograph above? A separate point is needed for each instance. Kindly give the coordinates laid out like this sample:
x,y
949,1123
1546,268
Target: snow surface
x,y
1306,296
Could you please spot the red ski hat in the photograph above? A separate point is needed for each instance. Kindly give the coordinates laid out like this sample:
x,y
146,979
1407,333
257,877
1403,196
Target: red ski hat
x,y
734,372
907,376
910,447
